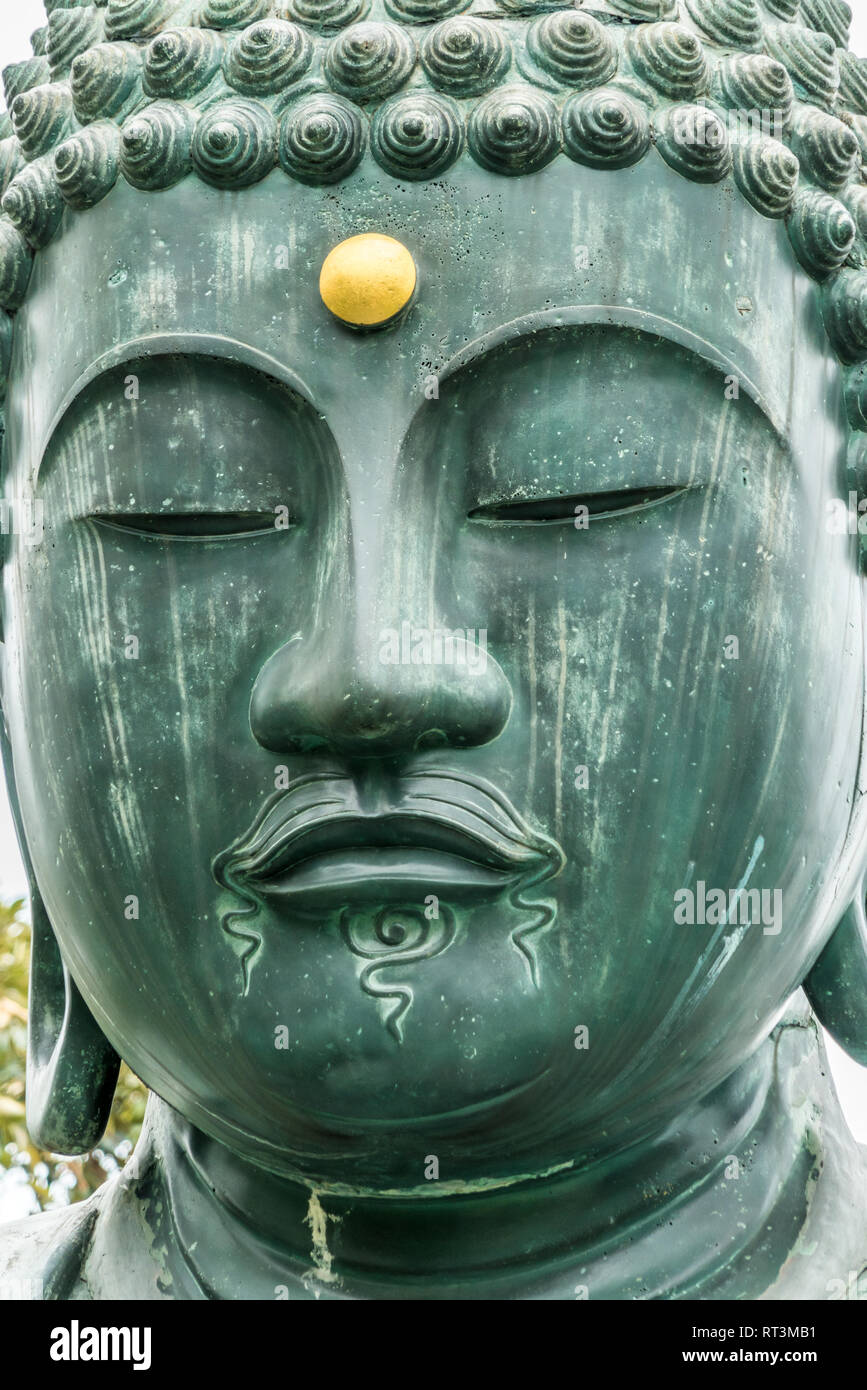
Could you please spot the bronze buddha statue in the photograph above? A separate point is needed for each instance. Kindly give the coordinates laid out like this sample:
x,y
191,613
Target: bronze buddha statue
x,y
435,705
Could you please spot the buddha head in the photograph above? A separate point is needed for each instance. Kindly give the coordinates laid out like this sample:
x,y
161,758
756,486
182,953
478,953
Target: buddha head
x,y
440,415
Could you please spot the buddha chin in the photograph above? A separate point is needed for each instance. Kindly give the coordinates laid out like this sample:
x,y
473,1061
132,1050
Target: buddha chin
x,y
396,1011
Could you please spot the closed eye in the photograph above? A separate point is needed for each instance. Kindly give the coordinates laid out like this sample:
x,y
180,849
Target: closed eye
x,y
541,511
194,526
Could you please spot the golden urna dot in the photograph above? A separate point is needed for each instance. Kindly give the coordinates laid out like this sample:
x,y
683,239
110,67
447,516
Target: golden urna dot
x,y
367,280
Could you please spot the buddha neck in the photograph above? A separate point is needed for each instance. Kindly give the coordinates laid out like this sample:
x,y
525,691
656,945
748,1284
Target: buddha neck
x,y
710,1207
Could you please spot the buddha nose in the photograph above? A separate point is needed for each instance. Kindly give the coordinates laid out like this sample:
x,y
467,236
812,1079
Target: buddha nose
x,y
388,692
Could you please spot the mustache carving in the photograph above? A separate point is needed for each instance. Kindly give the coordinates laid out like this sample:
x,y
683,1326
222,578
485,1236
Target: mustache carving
x,y
430,825
434,809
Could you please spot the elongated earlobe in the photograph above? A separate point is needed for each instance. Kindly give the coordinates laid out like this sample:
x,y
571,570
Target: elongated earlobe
x,y
71,1066
837,985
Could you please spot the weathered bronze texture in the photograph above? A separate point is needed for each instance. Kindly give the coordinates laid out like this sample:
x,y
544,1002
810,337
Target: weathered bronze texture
x,y
439,750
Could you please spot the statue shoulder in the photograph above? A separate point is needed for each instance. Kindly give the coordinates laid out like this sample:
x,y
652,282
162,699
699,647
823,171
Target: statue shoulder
x,y
41,1256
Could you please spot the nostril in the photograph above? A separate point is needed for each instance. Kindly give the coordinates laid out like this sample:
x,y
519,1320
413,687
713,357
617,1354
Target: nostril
x,y
433,738
300,743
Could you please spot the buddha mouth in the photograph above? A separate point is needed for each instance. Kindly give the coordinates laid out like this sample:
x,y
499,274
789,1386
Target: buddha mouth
x,y
439,832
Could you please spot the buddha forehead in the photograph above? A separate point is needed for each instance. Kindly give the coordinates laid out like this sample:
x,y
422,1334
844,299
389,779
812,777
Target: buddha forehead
x,y
497,258
403,116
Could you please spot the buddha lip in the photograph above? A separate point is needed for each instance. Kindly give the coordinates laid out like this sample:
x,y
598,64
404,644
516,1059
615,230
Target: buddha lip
x,y
390,831
450,824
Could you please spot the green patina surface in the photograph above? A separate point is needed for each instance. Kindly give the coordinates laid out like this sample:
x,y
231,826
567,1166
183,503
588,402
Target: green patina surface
x,y
372,701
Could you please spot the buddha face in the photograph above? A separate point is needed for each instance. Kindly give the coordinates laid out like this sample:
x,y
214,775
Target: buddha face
x,y
373,696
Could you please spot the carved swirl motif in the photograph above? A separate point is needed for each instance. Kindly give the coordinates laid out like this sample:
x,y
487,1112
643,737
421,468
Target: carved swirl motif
x,y
181,62
670,58
70,32
370,60
694,141
105,81
465,56
782,9
16,263
734,22
855,199
822,232
229,14
11,160
41,117
155,146
859,126
422,11
392,940
809,58
832,16
328,14
20,77
767,174
514,131
417,136
846,314
605,129
235,144
87,164
32,202
136,19
855,394
268,56
755,82
853,82
573,47
321,139
827,148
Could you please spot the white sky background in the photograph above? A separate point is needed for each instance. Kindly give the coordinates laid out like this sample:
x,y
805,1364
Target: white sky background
x,y
18,19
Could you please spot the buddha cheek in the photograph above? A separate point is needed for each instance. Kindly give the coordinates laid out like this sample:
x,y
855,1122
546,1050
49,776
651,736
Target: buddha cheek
x,y
678,740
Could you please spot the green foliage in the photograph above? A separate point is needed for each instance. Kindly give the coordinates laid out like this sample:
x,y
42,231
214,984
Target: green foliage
x,y
52,1180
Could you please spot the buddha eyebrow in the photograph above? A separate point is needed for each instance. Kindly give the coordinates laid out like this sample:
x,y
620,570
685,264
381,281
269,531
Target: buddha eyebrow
x,y
625,318
193,348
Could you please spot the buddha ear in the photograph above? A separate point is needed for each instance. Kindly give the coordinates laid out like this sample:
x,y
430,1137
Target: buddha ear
x,y
837,985
71,1066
